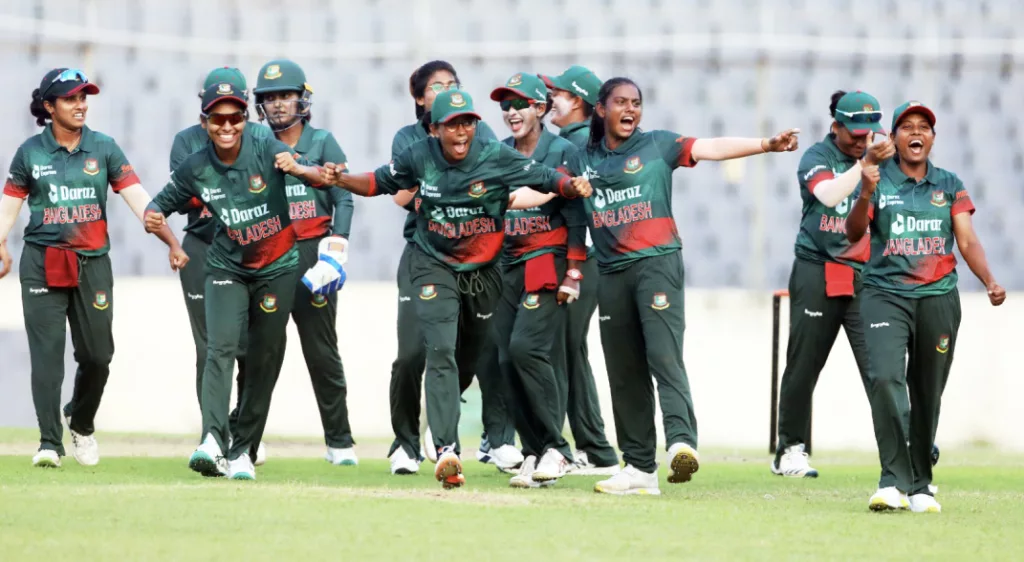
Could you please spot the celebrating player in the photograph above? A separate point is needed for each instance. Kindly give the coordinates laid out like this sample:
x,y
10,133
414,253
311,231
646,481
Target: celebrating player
x,y
251,273
283,100
65,271
916,211
464,191
641,288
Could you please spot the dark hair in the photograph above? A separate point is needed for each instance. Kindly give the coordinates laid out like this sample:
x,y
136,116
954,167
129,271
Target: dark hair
x,y
836,96
596,121
37,109
418,80
588,109
547,108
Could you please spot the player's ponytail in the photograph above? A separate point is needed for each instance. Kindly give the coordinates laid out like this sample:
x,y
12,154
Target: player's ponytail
x,y
418,81
836,96
596,121
37,109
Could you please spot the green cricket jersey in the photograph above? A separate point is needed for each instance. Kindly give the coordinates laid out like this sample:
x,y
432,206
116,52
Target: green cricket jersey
x,y
557,227
462,205
577,133
822,234
67,191
311,209
630,212
406,137
912,232
254,235
187,142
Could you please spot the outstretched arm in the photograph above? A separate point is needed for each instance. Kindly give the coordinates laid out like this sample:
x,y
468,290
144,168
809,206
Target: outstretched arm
x,y
727,148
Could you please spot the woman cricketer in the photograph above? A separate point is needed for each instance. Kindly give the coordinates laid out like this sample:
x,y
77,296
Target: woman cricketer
x,y
641,289
65,271
543,245
916,211
283,100
464,192
252,271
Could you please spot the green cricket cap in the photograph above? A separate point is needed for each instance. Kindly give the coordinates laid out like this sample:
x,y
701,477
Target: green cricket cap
x,y
226,74
450,104
523,85
912,107
577,80
220,92
860,113
281,75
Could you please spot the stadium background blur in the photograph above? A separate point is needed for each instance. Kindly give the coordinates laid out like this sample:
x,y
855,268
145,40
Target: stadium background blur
x,y
728,67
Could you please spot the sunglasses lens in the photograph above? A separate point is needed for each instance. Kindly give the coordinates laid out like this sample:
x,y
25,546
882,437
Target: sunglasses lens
x,y
219,119
517,104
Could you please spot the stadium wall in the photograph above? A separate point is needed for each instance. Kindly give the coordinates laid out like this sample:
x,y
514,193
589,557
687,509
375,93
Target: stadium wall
x,y
727,352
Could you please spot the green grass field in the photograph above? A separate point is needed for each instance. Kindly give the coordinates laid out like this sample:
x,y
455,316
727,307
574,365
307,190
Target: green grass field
x,y
139,508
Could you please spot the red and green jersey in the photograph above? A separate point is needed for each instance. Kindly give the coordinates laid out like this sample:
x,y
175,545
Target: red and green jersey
x,y
462,206
406,137
557,227
576,133
630,212
254,235
67,191
822,235
312,210
912,232
186,143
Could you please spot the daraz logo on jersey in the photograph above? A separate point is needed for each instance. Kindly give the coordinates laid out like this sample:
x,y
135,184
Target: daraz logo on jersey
x,y
603,197
235,216
910,224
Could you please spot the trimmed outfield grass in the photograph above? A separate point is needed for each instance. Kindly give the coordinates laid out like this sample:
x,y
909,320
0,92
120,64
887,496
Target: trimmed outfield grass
x,y
136,508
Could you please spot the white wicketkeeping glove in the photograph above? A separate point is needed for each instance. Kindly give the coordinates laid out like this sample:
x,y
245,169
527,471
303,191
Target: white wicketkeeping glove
x,y
328,274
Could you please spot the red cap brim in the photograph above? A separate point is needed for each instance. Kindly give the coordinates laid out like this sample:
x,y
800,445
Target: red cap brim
x,y
89,88
225,98
460,114
499,92
928,114
547,80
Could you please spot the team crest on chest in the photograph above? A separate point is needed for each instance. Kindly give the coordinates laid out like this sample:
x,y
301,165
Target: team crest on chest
x,y
477,189
943,345
633,165
92,167
273,72
100,301
269,303
256,184
427,292
939,198
660,301
319,301
458,100
532,301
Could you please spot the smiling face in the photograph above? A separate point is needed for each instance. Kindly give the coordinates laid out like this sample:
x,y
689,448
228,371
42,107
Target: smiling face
x,y
562,106
456,135
914,137
69,112
521,121
621,111
225,122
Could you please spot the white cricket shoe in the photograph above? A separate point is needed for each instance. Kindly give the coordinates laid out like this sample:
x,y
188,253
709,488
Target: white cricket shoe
x,y
87,451
402,464
923,503
583,467
888,499
342,457
430,451
448,470
506,457
794,464
242,468
46,458
261,455
525,477
933,489
552,466
683,461
208,459
630,481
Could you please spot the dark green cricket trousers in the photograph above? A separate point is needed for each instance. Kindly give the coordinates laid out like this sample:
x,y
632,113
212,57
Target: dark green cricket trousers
x,y
529,331
912,343
89,310
642,326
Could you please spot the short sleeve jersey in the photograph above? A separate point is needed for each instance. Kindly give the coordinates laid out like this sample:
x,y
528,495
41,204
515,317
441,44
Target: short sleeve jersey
x,y
822,234
546,229
254,236
911,232
630,211
67,191
186,143
462,206
311,209
406,137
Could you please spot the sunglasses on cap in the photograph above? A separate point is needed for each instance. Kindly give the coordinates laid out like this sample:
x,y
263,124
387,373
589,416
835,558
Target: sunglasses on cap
x,y
515,103
439,87
219,119
70,75
862,116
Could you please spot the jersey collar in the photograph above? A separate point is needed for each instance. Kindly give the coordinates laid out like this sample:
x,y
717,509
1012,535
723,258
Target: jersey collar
x,y
831,144
543,143
305,143
243,153
626,147
466,164
571,128
896,176
86,144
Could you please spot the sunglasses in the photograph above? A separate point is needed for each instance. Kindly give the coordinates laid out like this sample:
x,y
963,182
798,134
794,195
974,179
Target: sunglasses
x,y
219,119
438,87
468,123
862,116
516,104
70,75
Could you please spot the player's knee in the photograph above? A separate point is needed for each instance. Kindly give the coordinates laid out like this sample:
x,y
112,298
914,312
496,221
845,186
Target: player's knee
x,y
521,352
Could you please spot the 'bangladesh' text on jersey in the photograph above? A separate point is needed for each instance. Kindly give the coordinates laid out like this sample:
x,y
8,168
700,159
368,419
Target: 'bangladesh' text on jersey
x,y
912,232
311,209
462,206
822,235
406,137
67,191
558,226
630,212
